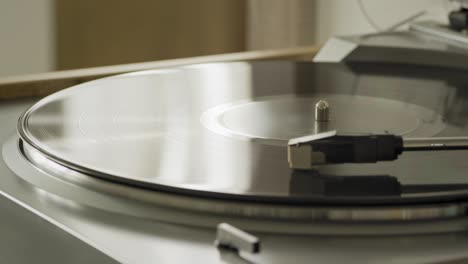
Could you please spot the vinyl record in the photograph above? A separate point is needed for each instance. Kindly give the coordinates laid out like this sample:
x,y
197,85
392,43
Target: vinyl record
x,y
220,130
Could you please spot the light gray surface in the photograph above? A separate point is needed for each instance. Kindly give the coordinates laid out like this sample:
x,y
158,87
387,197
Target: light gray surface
x,y
27,237
133,240
420,47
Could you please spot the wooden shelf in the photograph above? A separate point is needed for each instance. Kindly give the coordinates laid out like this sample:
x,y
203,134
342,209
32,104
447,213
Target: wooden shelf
x,y
38,85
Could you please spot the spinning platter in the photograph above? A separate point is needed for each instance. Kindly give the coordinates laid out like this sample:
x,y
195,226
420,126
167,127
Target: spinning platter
x,y
213,138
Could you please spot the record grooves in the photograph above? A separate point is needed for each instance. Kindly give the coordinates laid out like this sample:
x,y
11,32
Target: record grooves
x,y
192,132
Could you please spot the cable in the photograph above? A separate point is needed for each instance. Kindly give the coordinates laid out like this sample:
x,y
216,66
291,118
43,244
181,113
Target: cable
x,y
367,16
402,22
406,20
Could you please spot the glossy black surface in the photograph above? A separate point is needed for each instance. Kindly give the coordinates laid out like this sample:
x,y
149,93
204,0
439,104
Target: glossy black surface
x,y
221,129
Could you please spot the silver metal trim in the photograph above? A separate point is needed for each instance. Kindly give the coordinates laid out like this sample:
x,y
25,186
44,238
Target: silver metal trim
x,y
64,177
435,143
309,138
77,190
235,238
322,111
440,31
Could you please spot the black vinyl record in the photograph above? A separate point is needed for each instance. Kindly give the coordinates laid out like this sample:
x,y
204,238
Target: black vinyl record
x,y
221,130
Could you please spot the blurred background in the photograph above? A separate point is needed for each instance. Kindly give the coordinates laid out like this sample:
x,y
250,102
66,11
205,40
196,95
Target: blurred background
x,y
47,35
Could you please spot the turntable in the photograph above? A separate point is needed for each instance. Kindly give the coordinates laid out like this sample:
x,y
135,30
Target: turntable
x,y
362,152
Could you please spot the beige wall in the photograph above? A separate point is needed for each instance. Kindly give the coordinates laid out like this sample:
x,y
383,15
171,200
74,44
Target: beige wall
x,y
26,36
27,28
280,23
106,32
343,17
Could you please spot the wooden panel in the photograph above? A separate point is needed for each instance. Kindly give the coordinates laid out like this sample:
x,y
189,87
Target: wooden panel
x,y
106,32
273,24
46,83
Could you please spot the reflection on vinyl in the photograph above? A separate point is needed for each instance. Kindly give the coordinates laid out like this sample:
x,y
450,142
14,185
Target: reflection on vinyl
x,y
221,130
